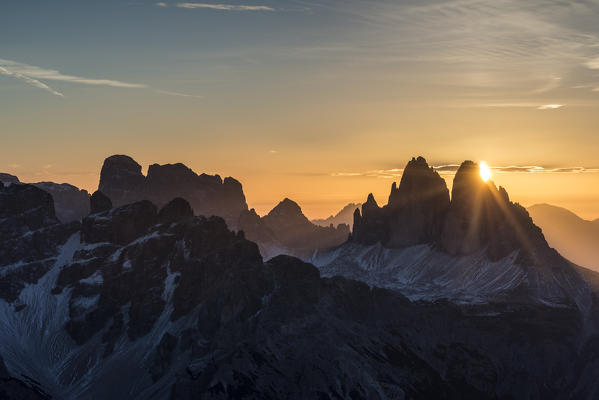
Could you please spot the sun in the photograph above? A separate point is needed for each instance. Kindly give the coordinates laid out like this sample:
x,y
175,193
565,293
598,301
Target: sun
x,y
485,171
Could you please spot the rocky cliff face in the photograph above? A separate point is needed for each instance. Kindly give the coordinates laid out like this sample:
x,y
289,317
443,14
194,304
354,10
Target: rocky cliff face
x,y
29,237
479,217
122,181
483,217
143,303
414,214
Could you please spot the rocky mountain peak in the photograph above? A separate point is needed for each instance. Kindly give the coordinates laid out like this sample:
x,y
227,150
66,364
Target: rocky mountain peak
x,y
8,178
414,213
288,208
481,217
419,182
121,180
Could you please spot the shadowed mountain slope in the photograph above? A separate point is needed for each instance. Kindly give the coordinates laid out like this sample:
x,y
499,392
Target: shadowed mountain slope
x,y
138,302
476,247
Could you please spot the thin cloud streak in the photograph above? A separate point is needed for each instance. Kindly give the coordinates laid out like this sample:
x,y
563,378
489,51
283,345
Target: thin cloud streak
x,y
30,81
31,75
550,106
32,71
177,94
225,7
450,169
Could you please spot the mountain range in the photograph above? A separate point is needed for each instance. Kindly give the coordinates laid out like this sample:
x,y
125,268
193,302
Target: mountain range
x,y
431,296
344,216
575,238
285,230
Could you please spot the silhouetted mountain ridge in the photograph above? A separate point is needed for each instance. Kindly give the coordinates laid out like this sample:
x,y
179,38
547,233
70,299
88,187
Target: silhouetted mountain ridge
x,y
70,202
344,216
574,237
285,230
479,216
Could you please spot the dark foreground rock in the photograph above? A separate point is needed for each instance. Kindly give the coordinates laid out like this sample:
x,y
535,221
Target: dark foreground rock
x,y
159,304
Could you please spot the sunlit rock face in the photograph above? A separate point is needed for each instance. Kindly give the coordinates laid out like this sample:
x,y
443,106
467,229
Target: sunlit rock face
x,y
414,214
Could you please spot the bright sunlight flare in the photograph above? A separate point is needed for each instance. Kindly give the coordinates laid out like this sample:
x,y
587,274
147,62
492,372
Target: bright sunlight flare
x,y
485,171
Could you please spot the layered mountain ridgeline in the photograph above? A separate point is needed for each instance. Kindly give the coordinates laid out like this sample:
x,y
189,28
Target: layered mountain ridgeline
x,y
476,246
122,181
575,238
142,303
70,202
344,216
296,234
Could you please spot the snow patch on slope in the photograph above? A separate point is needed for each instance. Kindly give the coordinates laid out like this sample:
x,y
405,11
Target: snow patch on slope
x,y
423,273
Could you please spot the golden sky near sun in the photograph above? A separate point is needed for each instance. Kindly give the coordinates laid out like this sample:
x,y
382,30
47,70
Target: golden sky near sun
x,y
307,103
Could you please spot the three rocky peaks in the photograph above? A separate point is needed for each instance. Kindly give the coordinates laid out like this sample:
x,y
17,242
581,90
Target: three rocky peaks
x,y
479,216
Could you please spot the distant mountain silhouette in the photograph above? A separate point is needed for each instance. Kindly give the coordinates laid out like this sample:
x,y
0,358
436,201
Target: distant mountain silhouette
x,y
285,230
122,181
478,217
8,178
70,202
575,238
476,246
345,216
300,236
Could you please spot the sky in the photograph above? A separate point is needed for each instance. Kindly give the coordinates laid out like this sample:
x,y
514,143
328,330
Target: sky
x,y
318,101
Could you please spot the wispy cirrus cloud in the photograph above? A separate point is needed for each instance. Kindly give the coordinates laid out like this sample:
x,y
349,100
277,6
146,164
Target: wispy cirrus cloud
x,y
225,7
515,105
35,76
450,169
29,80
38,73
550,106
